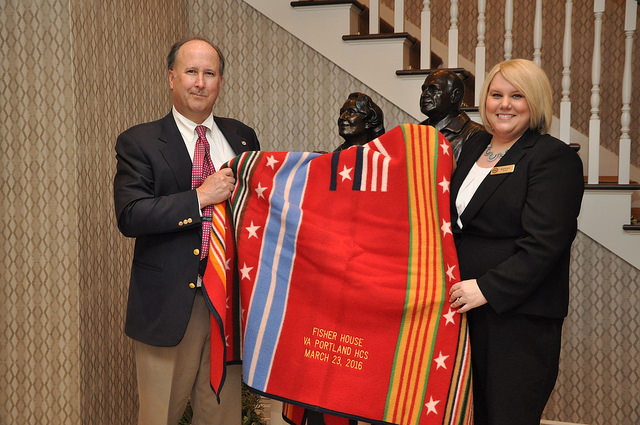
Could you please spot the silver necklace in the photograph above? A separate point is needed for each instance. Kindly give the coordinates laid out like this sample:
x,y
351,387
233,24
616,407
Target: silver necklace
x,y
493,156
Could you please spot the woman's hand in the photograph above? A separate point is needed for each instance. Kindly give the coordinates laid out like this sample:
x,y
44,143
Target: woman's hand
x,y
466,295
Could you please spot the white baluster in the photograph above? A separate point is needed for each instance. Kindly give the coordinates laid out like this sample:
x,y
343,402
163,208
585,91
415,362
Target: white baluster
x,y
481,51
624,154
452,60
508,29
398,16
537,34
425,36
374,16
565,103
594,121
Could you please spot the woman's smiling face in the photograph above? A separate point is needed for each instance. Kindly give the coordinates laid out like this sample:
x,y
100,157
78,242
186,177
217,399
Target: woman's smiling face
x,y
507,110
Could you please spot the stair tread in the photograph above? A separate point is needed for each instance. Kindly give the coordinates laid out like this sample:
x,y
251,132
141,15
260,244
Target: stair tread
x,y
384,36
612,186
304,3
612,180
427,71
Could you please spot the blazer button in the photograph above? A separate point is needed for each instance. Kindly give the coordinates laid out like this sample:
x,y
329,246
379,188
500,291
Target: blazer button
x,y
196,251
180,223
192,285
244,143
189,221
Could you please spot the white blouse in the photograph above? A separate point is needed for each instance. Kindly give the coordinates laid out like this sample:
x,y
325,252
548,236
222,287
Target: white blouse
x,y
468,188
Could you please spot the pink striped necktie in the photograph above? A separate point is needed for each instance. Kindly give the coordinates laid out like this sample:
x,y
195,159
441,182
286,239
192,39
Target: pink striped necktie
x,y
202,168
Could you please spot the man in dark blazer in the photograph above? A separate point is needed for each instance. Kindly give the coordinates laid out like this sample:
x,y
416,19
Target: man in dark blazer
x,y
155,202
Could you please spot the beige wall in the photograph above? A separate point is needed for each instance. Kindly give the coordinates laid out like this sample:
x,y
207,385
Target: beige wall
x,y
75,74
600,359
119,79
39,351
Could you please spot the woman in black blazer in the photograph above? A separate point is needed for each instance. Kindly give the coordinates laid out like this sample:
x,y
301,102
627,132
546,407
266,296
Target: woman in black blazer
x,y
515,195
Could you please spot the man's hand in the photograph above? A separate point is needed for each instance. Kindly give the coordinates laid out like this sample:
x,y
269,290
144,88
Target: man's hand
x,y
466,295
216,188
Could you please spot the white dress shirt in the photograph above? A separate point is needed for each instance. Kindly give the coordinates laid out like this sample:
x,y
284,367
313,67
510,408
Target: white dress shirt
x,y
468,188
219,148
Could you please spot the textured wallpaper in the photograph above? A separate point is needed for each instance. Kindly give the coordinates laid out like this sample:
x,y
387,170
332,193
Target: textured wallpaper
x,y
76,74
119,80
600,358
39,345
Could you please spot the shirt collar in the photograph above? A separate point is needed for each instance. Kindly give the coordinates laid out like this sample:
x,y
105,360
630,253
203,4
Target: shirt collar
x,y
185,125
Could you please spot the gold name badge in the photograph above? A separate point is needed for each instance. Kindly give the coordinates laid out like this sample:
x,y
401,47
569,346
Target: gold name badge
x,y
503,170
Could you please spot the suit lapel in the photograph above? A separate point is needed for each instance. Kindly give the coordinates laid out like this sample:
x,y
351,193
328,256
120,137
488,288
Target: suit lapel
x,y
492,182
175,152
470,154
237,143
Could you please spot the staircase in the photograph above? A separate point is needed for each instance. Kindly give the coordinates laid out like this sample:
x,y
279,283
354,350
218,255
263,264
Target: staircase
x,y
389,64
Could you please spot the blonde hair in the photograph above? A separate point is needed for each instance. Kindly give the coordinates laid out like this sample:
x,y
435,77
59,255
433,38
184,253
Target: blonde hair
x,y
534,85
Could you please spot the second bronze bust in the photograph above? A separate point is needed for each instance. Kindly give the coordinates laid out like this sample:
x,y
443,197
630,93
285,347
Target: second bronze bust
x,y
442,94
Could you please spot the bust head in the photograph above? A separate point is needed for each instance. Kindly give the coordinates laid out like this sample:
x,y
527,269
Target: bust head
x,y
360,120
442,93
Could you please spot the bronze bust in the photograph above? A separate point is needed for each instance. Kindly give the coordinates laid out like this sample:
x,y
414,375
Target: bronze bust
x,y
360,121
442,94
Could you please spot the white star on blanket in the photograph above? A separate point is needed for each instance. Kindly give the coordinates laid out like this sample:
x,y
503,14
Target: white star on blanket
x,y
260,191
444,184
271,162
346,173
252,230
446,228
245,271
431,405
449,272
445,148
440,361
449,317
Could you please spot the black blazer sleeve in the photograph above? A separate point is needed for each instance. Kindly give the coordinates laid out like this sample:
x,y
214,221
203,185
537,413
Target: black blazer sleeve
x,y
549,222
152,185
152,189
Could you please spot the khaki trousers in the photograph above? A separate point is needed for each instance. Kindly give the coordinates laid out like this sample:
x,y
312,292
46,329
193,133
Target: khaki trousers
x,y
169,376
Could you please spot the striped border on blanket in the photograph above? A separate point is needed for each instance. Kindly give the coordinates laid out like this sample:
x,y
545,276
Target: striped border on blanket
x,y
419,325
260,342
243,167
460,392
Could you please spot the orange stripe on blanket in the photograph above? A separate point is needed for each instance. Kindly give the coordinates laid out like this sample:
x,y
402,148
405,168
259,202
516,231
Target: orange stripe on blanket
x,y
418,332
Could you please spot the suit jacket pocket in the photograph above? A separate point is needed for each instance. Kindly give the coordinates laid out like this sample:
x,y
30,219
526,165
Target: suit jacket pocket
x,y
146,266
478,255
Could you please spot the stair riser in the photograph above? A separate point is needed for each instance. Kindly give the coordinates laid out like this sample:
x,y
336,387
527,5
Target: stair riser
x,y
602,216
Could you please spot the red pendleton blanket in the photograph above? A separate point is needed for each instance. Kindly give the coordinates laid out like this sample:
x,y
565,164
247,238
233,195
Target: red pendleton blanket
x,y
345,261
